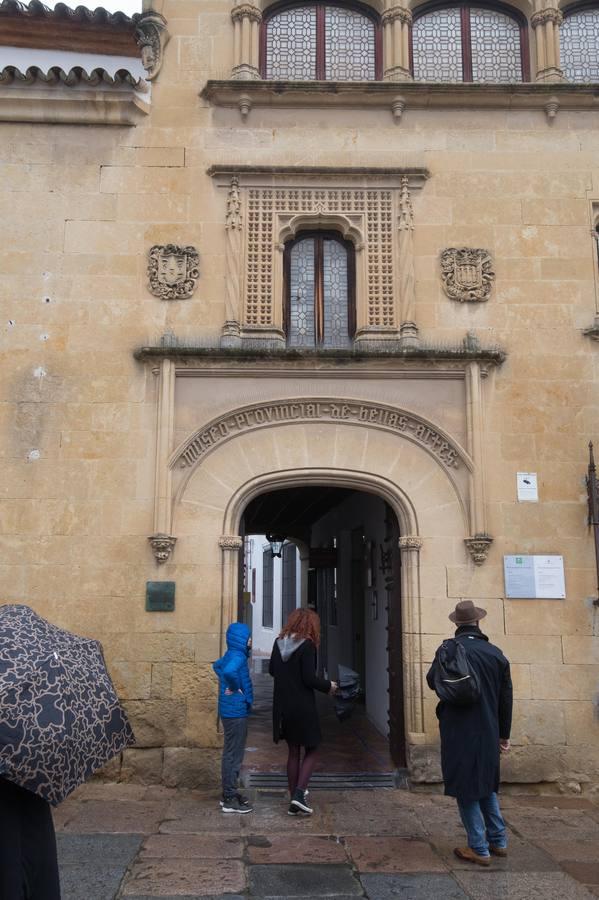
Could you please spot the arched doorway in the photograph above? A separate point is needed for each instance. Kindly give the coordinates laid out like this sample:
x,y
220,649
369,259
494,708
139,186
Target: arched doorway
x,y
348,568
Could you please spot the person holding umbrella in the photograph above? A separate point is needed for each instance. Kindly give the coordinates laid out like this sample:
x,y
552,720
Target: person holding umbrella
x,y
60,721
295,717
28,862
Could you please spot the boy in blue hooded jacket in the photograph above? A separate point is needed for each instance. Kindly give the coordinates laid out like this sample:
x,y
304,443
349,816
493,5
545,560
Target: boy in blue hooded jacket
x,y
235,698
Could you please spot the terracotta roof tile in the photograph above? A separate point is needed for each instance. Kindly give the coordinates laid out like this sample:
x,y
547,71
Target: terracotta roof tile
x,y
77,75
37,10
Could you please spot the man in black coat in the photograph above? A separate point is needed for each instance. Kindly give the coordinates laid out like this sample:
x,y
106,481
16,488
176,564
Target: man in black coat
x,y
472,738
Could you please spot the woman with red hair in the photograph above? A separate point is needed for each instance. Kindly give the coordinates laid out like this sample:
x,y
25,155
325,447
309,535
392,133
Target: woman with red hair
x,y
295,718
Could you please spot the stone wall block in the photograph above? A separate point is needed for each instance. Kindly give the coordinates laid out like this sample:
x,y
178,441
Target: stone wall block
x,y
201,728
142,766
131,680
157,723
582,722
539,722
532,764
581,650
424,761
564,682
186,768
194,681
162,681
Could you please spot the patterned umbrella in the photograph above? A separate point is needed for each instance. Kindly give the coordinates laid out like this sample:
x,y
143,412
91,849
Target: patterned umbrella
x,y
60,717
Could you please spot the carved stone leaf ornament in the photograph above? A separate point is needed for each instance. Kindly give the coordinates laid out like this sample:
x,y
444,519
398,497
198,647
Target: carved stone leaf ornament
x,y
173,271
467,274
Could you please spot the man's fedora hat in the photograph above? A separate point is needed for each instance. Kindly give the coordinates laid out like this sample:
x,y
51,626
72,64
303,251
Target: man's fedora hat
x,y
465,611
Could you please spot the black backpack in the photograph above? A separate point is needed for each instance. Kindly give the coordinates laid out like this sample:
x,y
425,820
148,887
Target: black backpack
x,y
452,677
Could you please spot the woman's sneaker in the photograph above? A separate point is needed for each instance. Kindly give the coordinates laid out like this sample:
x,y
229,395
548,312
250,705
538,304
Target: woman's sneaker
x,y
234,805
299,803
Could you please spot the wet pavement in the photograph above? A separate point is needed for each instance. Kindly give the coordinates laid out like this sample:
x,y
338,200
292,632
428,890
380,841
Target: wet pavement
x,y
135,842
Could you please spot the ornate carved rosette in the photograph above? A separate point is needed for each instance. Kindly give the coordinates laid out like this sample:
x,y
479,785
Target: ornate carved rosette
x,y
410,542
230,542
467,274
162,546
152,37
478,547
173,271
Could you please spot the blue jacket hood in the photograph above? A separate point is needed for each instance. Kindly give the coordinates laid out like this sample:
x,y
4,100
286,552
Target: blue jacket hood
x,y
238,636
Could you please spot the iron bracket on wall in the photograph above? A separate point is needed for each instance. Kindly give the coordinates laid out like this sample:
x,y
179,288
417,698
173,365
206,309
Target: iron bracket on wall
x,y
593,500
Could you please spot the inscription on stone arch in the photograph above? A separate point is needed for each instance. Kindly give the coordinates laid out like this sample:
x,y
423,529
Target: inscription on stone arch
x,y
287,411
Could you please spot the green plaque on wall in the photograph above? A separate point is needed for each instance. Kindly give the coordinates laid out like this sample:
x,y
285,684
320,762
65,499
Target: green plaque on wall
x,y
160,596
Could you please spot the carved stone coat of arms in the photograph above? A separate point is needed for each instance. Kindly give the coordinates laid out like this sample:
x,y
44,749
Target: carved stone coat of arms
x,y
173,271
467,273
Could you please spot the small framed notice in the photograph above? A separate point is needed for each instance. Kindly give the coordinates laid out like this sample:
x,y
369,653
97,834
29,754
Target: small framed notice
x,y
534,577
528,491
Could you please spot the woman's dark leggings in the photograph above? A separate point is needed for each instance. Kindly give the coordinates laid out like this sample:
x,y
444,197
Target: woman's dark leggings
x,y
299,774
28,864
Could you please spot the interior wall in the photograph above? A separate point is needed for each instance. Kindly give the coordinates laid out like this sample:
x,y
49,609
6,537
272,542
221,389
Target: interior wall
x,y
364,511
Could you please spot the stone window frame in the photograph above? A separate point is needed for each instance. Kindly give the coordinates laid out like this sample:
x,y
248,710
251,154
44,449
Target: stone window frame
x,y
567,11
464,7
319,313
268,205
353,5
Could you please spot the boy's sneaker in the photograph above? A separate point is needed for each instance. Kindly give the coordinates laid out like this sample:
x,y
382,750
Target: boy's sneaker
x,y
299,802
232,805
243,801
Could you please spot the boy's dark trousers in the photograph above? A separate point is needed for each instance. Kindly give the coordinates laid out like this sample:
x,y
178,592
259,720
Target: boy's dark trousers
x,y
235,731
28,865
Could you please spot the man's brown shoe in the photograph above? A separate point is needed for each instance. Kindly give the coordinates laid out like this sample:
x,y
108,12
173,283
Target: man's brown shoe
x,y
469,855
497,851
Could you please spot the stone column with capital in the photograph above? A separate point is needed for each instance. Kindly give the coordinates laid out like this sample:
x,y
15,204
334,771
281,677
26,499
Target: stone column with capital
x,y
546,23
397,21
231,334
231,546
410,546
162,541
246,41
408,331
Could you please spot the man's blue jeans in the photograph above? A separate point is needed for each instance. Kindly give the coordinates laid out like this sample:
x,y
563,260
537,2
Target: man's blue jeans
x,y
483,823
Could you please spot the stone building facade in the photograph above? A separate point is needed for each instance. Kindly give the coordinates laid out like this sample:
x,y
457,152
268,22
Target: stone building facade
x,y
172,186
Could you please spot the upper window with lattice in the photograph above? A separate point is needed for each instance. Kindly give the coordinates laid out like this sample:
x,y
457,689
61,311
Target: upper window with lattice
x,y
319,291
469,43
579,44
320,42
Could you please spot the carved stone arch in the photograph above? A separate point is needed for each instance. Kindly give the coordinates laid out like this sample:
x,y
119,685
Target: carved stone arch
x,y
375,6
370,483
455,463
523,7
350,227
430,517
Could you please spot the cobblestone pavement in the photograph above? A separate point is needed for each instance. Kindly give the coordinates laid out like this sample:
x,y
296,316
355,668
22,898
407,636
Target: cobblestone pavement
x,y
137,843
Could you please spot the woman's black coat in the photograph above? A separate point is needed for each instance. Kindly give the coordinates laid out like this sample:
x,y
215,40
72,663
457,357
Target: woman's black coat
x,y
294,714
470,734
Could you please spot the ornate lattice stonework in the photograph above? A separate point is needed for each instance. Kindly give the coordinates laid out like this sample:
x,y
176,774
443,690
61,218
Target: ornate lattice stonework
x,y
467,273
372,210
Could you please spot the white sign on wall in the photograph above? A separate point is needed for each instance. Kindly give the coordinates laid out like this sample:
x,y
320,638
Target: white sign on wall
x,y
534,577
527,487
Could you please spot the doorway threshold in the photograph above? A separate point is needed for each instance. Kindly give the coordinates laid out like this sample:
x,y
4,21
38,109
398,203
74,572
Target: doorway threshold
x,y
330,781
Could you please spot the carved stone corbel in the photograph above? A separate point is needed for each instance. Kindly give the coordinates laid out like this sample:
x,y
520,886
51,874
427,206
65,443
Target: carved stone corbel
x,y
230,542
162,546
478,547
152,37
